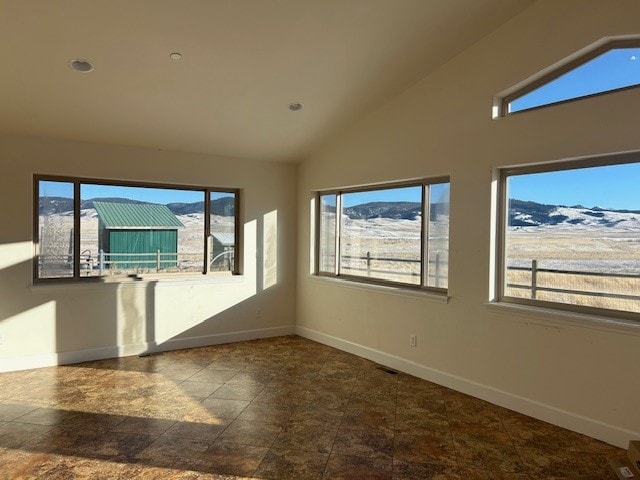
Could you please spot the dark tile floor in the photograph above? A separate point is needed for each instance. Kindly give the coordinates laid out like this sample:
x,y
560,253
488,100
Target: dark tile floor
x,y
281,408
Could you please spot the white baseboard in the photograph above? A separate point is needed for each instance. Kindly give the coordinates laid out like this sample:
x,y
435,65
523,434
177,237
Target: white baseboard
x,y
62,358
602,431
220,338
78,356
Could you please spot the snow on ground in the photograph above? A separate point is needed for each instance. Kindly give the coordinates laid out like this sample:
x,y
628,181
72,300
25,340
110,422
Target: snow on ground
x,y
389,227
598,219
584,219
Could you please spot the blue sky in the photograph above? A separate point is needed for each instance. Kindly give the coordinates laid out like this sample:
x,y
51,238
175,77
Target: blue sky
x,y
614,69
439,193
614,186
145,194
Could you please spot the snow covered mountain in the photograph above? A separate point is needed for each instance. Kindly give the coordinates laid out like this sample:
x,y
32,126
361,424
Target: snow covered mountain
x,y
532,214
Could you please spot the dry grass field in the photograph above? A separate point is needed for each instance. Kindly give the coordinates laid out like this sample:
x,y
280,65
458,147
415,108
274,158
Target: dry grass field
x,y
604,251
392,246
612,251
56,239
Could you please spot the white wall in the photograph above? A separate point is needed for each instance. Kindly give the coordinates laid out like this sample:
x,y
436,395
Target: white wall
x,y
44,325
583,378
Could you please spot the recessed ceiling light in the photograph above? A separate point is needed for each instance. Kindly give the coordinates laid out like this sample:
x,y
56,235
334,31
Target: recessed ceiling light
x,y
81,65
295,106
175,56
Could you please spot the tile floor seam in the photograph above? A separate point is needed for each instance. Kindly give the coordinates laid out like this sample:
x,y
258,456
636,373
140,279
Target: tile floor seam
x,y
525,466
395,418
453,440
337,430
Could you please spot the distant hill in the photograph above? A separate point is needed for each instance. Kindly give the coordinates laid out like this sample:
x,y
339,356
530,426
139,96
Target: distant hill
x,y
393,210
522,213
398,210
52,205
525,214
221,206
531,214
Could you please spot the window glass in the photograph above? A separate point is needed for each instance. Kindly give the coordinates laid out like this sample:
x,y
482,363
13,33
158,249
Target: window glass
x,y
386,234
223,231
132,229
438,236
612,70
126,230
327,244
55,229
573,237
380,234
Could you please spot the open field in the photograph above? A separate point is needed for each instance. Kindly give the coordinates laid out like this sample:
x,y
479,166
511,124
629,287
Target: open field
x,y
592,250
559,247
612,251
388,249
56,240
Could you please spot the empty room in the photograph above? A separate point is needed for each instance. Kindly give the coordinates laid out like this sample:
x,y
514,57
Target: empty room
x,y
305,239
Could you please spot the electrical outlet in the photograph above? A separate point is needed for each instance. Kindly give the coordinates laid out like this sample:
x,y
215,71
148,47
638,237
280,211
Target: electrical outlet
x,y
259,313
413,340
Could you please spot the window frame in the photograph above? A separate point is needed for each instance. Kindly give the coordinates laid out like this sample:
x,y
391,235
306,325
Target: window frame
x,y
78,181
424,233
501,223
562,67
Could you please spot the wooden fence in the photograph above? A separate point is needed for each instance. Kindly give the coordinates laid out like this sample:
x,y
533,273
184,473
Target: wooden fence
x,y
535,286
368,259
103,261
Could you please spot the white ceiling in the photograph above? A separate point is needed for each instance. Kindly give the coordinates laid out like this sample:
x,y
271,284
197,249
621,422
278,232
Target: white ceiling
x,y
243,62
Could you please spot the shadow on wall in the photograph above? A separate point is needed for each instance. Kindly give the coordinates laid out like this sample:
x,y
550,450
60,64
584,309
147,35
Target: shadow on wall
x,y
50,324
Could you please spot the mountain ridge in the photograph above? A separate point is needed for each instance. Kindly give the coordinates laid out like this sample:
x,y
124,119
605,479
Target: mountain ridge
x,y
522,213
59,205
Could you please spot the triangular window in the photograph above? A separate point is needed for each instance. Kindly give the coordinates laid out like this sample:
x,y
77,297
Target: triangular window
x,y
612,67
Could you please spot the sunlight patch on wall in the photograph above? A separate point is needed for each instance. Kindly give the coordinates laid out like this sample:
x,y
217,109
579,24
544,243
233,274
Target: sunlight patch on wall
x,y
135,313
312,235
493,257
203,300
29,331
270,249
14,253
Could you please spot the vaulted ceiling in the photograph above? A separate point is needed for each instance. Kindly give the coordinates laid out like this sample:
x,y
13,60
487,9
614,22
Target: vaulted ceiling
x,y
243,62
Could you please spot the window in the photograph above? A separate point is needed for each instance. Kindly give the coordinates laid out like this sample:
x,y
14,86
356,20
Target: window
x,y
609,68
389,234
571,236
93,228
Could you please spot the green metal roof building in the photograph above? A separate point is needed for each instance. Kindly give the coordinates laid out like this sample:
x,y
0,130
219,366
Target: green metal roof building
x,y
140,230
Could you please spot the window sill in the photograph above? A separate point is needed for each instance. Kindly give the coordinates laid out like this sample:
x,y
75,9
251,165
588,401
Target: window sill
x,y
385,289
563,319
141,281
